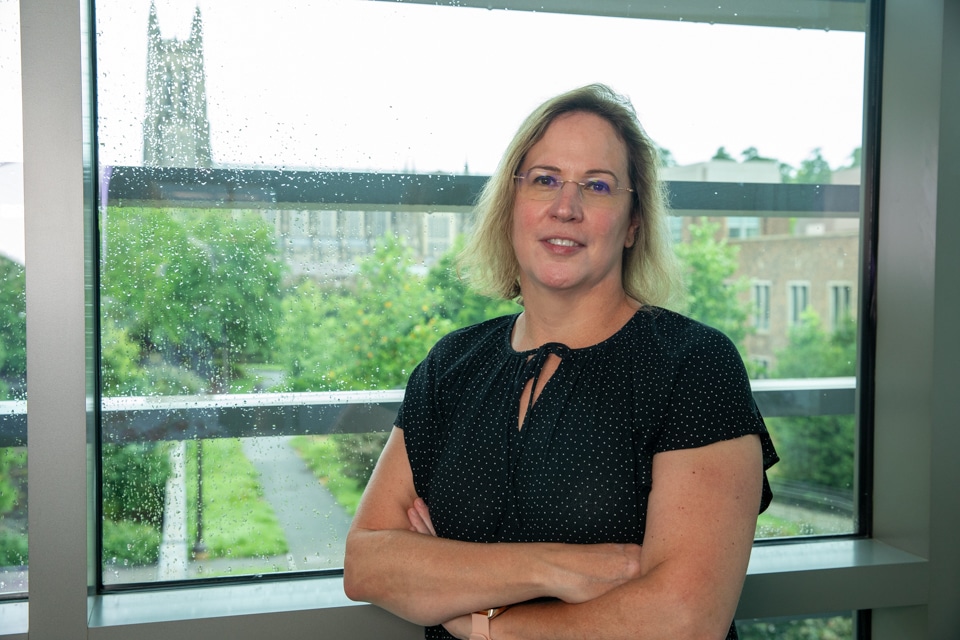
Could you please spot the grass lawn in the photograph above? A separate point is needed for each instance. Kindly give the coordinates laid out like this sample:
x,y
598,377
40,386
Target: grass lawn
x,y
237,521
770,526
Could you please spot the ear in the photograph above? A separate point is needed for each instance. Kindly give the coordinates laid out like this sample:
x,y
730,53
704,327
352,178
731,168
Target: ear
x,y
632,232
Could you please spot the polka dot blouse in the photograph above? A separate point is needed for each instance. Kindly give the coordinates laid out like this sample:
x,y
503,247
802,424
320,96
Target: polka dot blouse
x,y
580,469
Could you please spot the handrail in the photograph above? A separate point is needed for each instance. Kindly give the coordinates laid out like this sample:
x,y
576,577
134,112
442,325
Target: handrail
x,y
151,418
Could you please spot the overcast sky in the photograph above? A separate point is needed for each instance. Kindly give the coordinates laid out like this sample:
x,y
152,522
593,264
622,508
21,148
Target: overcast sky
x,y
359,85
381,85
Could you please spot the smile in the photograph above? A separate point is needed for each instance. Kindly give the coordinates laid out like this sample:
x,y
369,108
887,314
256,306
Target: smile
x,y
562,242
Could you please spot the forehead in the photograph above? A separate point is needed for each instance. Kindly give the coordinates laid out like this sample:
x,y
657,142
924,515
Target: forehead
x,y
579,142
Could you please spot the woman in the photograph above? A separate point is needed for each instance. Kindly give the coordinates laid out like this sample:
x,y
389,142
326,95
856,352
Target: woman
x,y
534,454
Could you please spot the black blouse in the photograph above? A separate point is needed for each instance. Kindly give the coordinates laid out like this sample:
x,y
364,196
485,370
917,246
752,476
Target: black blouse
x,y
580,469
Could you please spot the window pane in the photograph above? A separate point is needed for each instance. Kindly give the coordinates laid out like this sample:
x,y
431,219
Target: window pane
x,y
276,254
839,627
13,341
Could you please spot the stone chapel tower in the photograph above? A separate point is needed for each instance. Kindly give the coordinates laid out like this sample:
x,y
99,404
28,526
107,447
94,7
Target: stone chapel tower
x,y
176,132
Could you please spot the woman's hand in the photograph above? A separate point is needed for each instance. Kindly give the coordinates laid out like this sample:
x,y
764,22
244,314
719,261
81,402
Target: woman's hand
x,y
459,627
419,516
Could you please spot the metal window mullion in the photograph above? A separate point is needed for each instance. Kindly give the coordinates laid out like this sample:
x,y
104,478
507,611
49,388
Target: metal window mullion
x,y
56,329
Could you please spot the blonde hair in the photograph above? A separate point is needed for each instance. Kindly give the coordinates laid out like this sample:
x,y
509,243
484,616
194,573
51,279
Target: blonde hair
x,y
650,272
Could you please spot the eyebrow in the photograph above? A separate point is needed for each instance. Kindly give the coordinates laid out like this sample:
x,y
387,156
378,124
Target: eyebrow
x,y
587,173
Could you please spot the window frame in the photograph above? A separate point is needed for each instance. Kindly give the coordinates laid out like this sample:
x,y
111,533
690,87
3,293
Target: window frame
x,y
906,572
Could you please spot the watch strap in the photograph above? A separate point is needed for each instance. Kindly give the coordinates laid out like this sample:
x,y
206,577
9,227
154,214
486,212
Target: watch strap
x,y
480,626
480,622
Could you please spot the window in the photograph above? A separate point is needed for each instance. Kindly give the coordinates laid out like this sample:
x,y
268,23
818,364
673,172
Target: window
x,y
743,227
761,306
761,367
841,304
236,266
900,176
676,229
798,299
13,343
440,234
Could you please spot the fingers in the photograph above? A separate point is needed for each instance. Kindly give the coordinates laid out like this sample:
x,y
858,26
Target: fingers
x,y
458,627
419,517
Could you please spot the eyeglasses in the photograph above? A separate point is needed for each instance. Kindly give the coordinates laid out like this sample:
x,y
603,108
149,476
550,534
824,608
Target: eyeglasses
x,y
540,184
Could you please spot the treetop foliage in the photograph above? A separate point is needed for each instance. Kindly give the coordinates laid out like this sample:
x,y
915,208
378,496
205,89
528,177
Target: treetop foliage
x,y
196,289
713,296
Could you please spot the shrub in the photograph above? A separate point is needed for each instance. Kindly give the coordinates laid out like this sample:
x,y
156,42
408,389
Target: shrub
x,y
13,549
134,482
133,543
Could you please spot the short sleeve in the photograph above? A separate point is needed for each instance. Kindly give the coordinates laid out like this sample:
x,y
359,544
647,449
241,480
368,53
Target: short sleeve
x,y
711,399
417,418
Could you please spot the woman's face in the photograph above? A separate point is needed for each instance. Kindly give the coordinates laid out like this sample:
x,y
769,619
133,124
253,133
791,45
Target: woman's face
x,y
566,243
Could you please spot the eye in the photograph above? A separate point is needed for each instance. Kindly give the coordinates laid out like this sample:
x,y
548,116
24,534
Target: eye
x,y
545,180
598,187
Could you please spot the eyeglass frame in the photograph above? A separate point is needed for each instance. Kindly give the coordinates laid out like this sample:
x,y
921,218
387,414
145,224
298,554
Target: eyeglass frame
x,y
581,186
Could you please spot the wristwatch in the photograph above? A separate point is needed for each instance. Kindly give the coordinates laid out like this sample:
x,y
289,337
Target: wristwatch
x,y
480,622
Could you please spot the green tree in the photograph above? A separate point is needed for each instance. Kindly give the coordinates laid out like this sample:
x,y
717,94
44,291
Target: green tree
x,y
815,353
368,337
194,290
713,295
13,487
666,157
455,300
13,371
818,450
125,373
750,154
814,170
722,154
13,328
373,335
134,479
855,158
13,462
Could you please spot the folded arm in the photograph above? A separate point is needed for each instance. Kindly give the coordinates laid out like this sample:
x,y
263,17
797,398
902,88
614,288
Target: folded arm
x,y
700,524
429,580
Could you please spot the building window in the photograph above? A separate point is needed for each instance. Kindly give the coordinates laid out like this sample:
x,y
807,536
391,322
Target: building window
x,y
743,227
798,299
841,303
440,234
676,229
761,306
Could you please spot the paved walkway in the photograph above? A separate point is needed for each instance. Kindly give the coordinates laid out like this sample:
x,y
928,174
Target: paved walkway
x,y
314,523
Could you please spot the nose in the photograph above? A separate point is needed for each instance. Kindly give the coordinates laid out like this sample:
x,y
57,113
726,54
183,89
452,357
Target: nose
x,y
568,204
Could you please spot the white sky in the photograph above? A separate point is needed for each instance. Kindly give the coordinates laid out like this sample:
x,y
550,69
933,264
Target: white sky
x,y
358,85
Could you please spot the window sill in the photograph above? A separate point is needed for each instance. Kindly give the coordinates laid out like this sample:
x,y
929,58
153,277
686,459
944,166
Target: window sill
x,y
13,620
200,602
791,579
808,578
